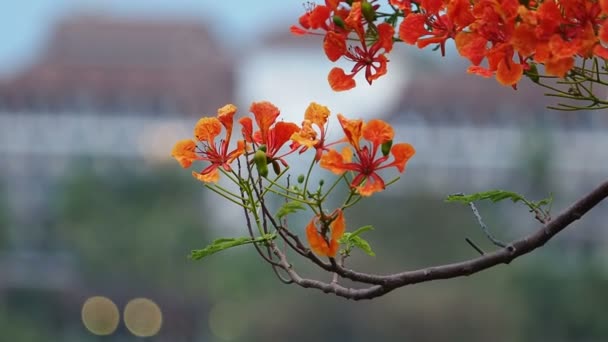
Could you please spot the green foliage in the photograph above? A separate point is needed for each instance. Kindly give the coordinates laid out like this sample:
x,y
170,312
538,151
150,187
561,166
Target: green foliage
x,y
225,243
351,240
499,195
289,208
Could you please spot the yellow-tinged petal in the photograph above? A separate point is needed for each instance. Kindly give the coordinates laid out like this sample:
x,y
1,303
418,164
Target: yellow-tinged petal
x,y
317,114
211,177
307,136
226,117
184,152
352,130
378,132
206,129
370,186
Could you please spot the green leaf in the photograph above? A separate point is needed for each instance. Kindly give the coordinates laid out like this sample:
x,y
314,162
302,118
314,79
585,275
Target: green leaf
x,y
289,208
225,243
352,239
362,230
360,243
499,195
493,195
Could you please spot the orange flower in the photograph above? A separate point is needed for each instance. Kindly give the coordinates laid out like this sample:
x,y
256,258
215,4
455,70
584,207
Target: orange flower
x,y
271,134
368,162
318,241
369,58
184,152
317,115
206,131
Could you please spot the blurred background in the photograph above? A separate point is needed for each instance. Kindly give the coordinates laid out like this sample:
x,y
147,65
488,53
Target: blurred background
x,y
96,220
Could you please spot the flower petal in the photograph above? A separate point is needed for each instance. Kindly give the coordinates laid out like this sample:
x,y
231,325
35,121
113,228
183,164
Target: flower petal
x,y
352,130
385,36
265,114
281,133
334,45
338,226
247,128
212,176
480,71
307,136
206,129
372,184
377,132
184,152
317,114
339,81
226,117
509,73
334,162
316,241
412,28
402,152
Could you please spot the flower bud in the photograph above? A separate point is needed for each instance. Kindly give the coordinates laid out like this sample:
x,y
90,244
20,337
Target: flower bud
x,y
386,147
532,73
260,162
276,167
321,182
368,11
339,22
301,179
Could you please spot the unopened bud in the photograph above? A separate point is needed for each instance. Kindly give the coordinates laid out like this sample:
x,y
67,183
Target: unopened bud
x,y
338,21
368,11
301,179
276,167
532,73
321,182
386,147
260,162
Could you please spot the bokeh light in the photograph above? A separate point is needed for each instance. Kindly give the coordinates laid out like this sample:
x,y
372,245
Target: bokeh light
x,y
143,317
100,315
228,320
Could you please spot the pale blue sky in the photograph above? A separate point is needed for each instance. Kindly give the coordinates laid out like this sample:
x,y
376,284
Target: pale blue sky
x,y
24,25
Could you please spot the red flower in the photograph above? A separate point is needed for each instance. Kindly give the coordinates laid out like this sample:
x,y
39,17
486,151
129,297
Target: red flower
x,y
272,134
205,131
376,133
372,58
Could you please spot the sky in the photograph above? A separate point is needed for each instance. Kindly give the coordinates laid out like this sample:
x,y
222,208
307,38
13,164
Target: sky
x,y
25,25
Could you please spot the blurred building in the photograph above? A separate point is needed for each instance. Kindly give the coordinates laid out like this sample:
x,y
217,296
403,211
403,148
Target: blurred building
x,y
124,66
104,88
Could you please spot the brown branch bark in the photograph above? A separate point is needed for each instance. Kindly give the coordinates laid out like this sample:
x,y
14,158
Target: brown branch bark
x,y
382,284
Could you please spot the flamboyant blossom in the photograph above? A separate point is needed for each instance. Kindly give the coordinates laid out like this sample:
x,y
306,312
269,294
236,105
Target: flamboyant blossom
x,y
325,241
370,156
273,135
501,38
206,131
307,137
342,22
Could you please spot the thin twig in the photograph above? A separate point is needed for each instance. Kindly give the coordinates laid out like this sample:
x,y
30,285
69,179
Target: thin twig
x,y
484,228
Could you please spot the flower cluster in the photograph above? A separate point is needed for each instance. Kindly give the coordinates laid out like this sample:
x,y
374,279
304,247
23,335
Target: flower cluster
x,y
369,149
501,38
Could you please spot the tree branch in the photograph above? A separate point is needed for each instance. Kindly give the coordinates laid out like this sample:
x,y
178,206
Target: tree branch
x,y
382,284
